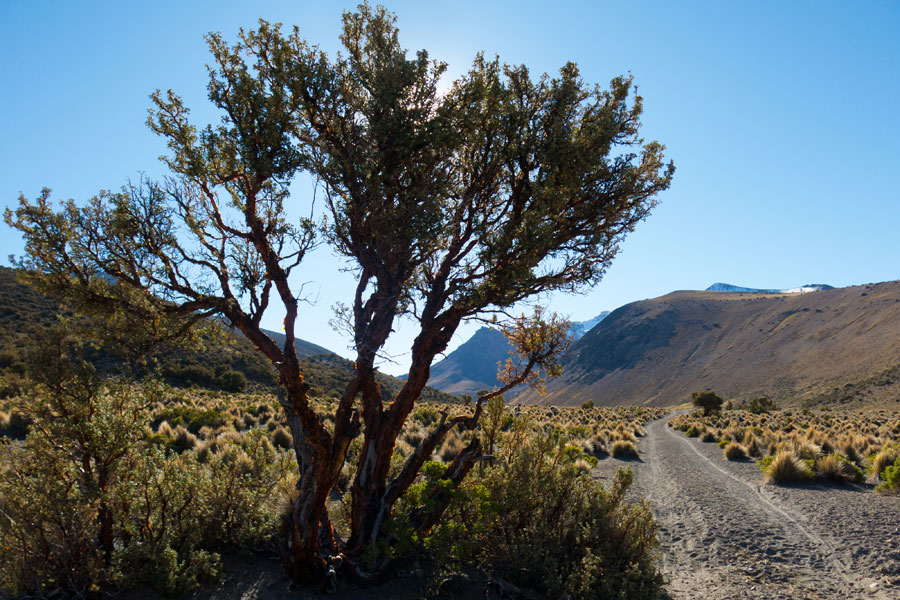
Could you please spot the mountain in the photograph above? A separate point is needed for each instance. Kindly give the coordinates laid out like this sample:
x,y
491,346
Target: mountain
x,y
24,313
473,365
577,330
304,348
823,347
727,287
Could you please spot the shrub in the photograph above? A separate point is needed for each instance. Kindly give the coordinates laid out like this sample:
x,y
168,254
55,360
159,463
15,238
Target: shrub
x,y
624,449
761,405
587,404
281,437
90,500
785,467
555,534
891,477
232,381
735,451
882,460
839,469
693,431
708,437
48,527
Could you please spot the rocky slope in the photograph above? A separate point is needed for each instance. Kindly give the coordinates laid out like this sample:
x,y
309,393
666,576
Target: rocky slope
x,y
829,346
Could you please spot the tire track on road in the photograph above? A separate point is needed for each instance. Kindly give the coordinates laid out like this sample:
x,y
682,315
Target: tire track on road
x,y
722,537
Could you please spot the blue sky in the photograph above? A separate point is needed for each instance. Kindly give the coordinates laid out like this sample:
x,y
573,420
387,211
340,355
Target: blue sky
x,y
781,118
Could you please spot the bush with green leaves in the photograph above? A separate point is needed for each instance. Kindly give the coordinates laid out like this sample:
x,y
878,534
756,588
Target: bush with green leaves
x,y
891,478
535,520
761,405
86,503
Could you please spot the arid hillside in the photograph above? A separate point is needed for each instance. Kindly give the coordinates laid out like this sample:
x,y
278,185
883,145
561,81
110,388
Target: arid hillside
x,y
839,346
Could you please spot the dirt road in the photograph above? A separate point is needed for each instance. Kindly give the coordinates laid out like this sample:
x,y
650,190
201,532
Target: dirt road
x,y
725,534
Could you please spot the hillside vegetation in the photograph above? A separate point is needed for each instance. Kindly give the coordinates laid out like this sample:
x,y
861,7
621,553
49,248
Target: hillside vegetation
x,y
830,347
228,361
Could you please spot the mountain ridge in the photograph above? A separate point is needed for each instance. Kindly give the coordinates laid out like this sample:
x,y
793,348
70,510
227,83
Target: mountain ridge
x,y
472,366
834,345
809,287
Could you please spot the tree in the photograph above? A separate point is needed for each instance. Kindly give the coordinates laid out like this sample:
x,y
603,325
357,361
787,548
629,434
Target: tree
x,y
452,206
708,400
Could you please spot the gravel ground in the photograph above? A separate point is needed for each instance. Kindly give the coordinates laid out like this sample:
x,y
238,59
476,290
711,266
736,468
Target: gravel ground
x,y
726,534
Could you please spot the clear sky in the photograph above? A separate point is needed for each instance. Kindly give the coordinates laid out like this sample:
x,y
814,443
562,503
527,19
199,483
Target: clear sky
x,y
782,119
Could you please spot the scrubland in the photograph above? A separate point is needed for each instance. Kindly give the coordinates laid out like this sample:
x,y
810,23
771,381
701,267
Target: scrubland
x,y
147,487
860,447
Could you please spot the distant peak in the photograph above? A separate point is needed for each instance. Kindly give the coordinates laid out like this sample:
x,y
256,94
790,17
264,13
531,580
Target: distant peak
x,y
727,287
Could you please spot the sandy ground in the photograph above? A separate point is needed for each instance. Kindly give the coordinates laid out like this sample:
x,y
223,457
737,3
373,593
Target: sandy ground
x,y
725,534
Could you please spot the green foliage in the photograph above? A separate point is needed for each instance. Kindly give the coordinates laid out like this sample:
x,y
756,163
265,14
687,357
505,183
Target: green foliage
x,y
762,405
87,502
708,400
534,522
692,431
891,478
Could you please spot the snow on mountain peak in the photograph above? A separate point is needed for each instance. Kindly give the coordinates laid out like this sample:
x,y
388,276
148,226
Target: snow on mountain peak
x,y
803,289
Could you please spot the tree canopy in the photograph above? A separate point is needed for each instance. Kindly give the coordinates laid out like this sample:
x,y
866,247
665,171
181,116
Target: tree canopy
x,y
451,205
708,400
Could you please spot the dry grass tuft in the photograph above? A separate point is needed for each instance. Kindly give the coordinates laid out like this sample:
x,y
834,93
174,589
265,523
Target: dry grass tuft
x,y
708,437
735,451
624,449
838,469
787,467
165,429
883,459
184,440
